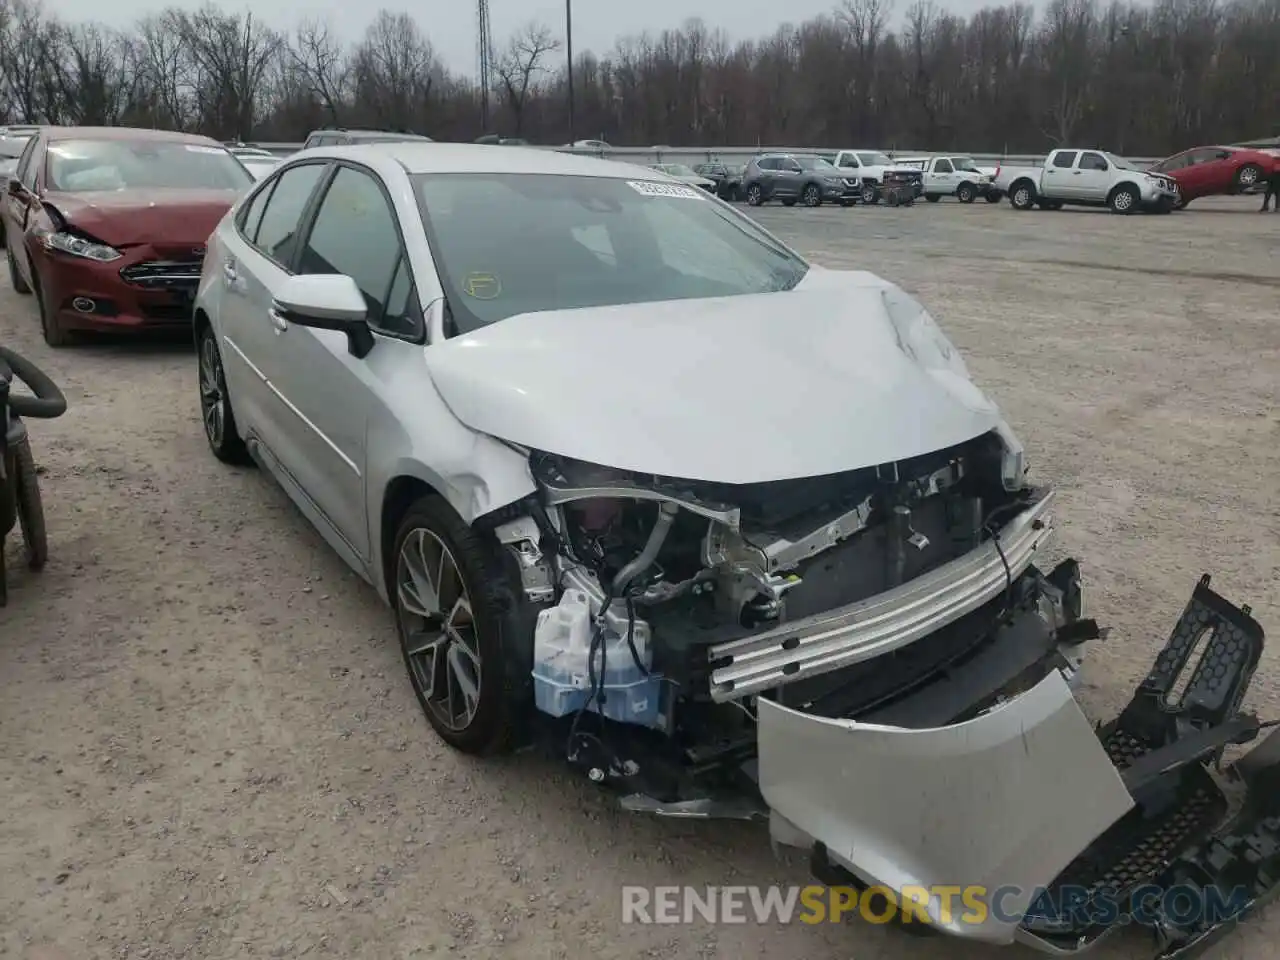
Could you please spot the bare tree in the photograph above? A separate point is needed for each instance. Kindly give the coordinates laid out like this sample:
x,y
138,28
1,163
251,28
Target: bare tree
x,y
520,66
323,65
395,71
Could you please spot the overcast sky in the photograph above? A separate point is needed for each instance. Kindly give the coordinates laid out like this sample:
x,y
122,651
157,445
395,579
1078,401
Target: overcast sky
x,y
451,24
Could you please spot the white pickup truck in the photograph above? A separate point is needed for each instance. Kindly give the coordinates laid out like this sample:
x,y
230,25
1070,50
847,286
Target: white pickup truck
x,y
955,176
869,167
1091,178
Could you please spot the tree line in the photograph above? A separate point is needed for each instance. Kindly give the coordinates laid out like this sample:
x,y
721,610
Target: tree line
x,y
1137,79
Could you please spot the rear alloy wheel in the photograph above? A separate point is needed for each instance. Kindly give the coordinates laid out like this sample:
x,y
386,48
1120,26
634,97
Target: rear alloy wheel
x,y
869,193
1124,200
1022,196
966,193
812,196
755,196
15,278
450,631
215,403
1248,176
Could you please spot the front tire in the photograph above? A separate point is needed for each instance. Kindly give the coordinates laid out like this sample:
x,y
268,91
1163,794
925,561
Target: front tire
x,y
30,506
870,194
52,331
15,277
1124,200
933,197
994,197
450,625
215,402
966,193
812,196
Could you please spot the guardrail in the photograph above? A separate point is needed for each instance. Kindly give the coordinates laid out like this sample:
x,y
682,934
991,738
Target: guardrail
x,y
692,155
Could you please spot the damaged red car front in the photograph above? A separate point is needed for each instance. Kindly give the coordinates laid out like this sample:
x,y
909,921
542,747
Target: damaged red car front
x,y
107,226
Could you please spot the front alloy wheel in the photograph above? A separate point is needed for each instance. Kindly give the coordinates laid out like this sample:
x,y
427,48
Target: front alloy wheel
x,y
812,196
441,644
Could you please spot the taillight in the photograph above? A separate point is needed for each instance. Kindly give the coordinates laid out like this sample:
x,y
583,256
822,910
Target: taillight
x,y
996,174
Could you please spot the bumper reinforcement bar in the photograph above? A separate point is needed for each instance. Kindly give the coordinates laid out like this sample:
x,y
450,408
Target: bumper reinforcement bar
x,y
878,625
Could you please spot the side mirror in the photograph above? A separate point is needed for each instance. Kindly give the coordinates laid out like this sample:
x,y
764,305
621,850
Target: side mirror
x,y
16,189
329,301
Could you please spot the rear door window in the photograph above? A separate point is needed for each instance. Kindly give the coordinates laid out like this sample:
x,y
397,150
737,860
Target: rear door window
x,y
1093,161
277,234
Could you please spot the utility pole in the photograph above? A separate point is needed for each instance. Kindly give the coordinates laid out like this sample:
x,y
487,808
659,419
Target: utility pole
x,y
568,44
484,60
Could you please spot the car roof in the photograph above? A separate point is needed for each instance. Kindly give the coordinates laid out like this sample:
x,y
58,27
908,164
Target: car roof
x,y
426,157
368,133
55,134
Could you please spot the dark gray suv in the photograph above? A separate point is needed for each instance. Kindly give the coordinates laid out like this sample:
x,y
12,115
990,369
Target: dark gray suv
x,y
794,178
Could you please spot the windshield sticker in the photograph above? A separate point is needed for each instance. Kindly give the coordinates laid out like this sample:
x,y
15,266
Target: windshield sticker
x,y
196,148
648,188
482,286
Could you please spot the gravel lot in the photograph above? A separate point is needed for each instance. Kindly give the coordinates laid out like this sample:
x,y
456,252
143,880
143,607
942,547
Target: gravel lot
x,y
207,745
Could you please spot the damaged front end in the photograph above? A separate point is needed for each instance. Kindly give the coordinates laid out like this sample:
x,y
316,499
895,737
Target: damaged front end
x,y
873,662
1061,833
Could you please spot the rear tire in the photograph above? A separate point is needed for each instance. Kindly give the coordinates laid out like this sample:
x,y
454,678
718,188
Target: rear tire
x,y
1022,196
1248,176
994,197
215,402
755,196
933,197
15,278
966,193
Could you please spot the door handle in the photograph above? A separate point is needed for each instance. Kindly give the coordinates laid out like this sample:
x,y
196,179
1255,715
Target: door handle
x,y
277,321
229,271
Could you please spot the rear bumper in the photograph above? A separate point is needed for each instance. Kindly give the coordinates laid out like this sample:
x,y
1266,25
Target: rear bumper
x,y
1009,817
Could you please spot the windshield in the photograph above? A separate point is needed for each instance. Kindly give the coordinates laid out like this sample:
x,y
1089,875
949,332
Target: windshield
x,y
964,163
875,159
93,165
507,244
1120,162
679,170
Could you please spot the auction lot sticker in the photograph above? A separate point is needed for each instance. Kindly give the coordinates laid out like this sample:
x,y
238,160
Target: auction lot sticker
x,y
650,189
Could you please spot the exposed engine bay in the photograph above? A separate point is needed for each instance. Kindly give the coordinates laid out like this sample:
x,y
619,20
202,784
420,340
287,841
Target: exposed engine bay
x,y
713,594
872,662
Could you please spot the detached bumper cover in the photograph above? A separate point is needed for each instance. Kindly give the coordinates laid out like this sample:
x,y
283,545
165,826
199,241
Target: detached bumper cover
x,y
1075,831
883,623
978,803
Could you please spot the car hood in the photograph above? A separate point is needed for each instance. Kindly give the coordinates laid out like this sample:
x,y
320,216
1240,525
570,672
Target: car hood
x,y
843,372
124,218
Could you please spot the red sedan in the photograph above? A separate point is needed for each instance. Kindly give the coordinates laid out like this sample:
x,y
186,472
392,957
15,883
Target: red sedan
x,y
107,225
1214,171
